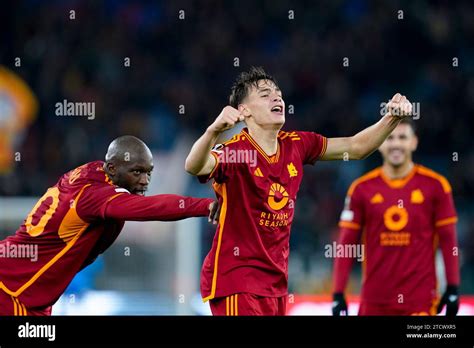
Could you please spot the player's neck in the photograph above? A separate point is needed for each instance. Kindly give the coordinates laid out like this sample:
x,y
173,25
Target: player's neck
x,y
267,139
398,172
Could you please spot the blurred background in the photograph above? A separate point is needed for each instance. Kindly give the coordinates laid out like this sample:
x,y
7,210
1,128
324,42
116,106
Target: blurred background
x,y
162,71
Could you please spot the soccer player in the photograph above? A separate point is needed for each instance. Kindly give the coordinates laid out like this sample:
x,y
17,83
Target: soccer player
x,y
400,212
257,175
79,218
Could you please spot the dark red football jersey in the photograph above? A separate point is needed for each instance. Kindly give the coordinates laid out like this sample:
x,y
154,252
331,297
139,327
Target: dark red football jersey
x,y
76,220
397,221
258,194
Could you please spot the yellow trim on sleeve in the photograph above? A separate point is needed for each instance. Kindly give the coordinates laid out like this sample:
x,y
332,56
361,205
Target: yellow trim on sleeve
x,y
324,147
216,156
447,221
348,224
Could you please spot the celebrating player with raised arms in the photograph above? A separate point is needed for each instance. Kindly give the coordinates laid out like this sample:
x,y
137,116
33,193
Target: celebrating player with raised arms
x,y
246,270
401,212
79,218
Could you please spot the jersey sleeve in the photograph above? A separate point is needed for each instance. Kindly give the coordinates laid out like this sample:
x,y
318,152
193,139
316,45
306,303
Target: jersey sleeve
x,y
93,201
352,214
445,212
222,170
165,207
117,203
448,244
445,223
312,146
343,265
350,226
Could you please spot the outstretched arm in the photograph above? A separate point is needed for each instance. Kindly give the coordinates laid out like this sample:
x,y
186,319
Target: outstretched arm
x,y
166,207
365,142
200,161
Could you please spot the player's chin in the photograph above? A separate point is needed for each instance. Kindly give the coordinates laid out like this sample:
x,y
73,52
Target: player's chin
x,y
278,118
397,161
139,192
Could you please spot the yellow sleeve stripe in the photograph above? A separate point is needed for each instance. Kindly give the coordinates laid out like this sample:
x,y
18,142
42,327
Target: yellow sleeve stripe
x,y
324,147
348,224
447,221
216,156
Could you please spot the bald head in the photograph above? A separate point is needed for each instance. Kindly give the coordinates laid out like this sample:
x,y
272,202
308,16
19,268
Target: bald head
x,y
129,163
126,148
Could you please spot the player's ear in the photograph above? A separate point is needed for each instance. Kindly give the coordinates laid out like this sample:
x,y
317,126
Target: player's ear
x,y
110,169
244,110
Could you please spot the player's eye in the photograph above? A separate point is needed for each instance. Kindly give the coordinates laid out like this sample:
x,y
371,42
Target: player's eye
x,y
137,172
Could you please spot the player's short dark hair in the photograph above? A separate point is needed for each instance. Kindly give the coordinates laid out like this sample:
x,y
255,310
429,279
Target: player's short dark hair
x,y
409,121
245,81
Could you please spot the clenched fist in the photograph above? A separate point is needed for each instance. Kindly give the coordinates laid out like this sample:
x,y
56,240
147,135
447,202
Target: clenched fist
x,y
226,119
399,106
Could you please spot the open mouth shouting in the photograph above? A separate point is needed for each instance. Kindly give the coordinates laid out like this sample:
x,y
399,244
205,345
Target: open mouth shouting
x,y
278,109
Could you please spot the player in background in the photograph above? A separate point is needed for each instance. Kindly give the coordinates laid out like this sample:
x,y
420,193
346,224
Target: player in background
x,y
400,212
79,218
246,270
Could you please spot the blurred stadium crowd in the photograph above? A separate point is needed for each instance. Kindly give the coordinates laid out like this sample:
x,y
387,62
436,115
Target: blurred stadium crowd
x,y
191,62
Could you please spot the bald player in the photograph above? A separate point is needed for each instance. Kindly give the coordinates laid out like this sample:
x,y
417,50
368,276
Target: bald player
x,y
79,218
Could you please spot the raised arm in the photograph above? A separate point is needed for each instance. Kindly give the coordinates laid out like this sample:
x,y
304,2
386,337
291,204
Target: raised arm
x,y
365,142
200,161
